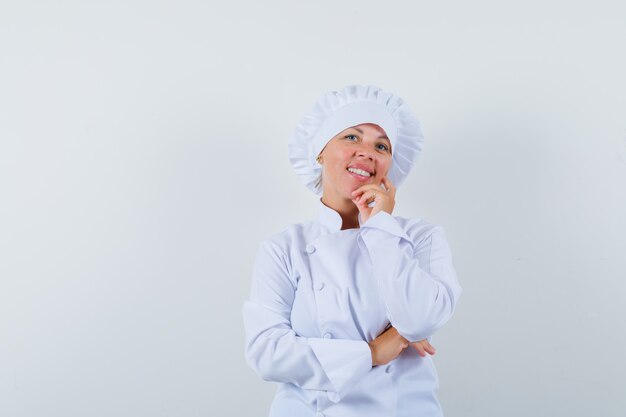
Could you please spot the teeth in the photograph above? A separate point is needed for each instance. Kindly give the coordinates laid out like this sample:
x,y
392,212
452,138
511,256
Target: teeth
x,y
359,172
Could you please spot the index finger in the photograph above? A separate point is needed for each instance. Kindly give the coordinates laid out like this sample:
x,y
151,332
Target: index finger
x,y
365,187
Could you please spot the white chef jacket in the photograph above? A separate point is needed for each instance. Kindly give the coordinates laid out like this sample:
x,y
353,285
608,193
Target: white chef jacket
x,y
319,294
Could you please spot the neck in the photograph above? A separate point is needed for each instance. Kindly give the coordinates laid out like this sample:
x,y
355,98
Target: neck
x,y
347,210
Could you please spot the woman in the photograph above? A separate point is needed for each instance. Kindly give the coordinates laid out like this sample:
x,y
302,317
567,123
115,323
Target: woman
x,y
342,308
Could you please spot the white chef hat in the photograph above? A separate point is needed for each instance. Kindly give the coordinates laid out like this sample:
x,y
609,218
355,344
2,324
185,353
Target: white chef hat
x,y
336,111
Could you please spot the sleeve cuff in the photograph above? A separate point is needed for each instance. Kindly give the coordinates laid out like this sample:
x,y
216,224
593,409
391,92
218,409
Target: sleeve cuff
x,y
385,222
345,362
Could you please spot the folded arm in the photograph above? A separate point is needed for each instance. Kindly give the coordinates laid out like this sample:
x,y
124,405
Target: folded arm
x,y
276,352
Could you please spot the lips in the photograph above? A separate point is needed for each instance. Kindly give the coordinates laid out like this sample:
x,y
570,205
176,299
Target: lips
x,y
361,170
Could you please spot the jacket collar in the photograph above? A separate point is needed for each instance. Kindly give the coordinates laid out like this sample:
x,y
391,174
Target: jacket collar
x,y
329,218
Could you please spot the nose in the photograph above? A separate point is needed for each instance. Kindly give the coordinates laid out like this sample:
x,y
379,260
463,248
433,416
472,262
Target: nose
x,y
364,152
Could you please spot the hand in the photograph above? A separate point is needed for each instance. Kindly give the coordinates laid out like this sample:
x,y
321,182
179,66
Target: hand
x,y
384,199
387,346
423,347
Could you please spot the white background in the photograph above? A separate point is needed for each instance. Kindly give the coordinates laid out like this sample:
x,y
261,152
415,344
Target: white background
x,y
143,157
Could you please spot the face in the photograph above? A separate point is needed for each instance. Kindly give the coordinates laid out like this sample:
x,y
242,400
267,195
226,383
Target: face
x,y
357,156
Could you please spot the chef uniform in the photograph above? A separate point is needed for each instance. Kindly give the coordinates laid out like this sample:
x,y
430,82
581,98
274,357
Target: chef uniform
x,y
319,294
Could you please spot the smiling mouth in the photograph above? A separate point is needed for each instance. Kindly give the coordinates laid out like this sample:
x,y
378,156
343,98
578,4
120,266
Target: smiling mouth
x,y
359,172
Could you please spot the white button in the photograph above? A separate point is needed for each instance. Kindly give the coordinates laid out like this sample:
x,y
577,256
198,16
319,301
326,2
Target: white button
x,y
333,396
328,336
319,285
310,249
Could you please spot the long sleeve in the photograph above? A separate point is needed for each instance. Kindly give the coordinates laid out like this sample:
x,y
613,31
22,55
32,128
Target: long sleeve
x,y
276,352
419,298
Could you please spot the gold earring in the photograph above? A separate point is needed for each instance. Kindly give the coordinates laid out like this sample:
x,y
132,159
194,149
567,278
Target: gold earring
x,y
319,159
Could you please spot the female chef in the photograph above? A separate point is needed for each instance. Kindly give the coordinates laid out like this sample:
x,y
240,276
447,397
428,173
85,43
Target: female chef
x,y
342,307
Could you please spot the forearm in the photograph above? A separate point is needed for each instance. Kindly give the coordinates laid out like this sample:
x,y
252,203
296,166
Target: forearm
x,y
277,354
418,285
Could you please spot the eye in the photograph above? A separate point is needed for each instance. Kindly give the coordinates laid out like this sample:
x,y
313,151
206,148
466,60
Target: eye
x,y
351,137
382,147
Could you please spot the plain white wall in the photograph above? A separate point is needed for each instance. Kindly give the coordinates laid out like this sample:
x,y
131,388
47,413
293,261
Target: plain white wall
x,y
143,158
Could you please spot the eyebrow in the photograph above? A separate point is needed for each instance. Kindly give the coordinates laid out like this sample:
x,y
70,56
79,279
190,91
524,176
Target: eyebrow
x,y
380,137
